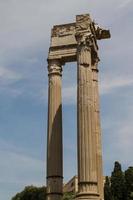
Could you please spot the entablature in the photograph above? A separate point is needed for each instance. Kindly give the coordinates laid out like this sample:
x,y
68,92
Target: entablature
x,y
66,38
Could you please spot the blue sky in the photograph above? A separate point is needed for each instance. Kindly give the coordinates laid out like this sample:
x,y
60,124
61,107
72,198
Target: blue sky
x,y
25,27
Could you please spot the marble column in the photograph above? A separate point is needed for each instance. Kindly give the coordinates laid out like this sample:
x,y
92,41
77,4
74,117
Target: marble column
x,y
87,158
54,138
97,127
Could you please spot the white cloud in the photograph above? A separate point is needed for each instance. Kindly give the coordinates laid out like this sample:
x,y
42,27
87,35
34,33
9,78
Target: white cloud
x,y
110,84
125,3
24,169
69,95
121,143
8,76
18,170
125,136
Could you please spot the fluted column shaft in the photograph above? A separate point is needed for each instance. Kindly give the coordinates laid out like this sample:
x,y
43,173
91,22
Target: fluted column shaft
x,y
87,158
97,127
54,138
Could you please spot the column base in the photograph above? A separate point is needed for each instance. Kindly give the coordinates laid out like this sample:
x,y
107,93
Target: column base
x,y
54,188
87,196
54,197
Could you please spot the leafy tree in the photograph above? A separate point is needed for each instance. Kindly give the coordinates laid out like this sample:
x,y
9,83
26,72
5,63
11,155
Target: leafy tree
x,y
38,193
129,183
68,196
31,193
107,189
117,183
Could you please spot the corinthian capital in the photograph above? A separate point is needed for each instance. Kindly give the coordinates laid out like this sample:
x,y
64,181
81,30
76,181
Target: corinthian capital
x,y
87,51
54,67
85,39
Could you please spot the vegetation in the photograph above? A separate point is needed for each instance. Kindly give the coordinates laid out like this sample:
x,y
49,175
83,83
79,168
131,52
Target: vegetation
x,y
38,193
117,183
68,196
31,193
107,189
120,185
117,187
129,183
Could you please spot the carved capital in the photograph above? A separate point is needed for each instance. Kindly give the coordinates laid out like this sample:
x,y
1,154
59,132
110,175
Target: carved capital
x,y
84,39
87,50
85,43
54,67
84,56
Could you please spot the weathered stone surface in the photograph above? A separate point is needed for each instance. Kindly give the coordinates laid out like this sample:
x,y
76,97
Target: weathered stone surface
x,y
54,139
76,42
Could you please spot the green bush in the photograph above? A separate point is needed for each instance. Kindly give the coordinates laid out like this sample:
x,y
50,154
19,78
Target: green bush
x,y
31,193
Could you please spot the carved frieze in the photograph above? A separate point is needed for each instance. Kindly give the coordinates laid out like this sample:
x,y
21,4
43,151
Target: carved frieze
x,y
63,30
66,39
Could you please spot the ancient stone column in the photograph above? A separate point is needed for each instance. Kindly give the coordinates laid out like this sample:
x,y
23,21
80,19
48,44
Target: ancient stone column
x,y
97,127
87,148
54,138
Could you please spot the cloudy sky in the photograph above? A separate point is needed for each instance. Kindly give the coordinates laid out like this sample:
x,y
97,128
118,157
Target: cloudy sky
x,y
24,41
